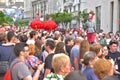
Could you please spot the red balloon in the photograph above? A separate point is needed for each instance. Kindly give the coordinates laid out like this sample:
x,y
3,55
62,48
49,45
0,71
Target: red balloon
x,y
49,25
36,24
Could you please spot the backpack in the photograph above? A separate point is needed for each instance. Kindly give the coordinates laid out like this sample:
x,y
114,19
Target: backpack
x,y
7,74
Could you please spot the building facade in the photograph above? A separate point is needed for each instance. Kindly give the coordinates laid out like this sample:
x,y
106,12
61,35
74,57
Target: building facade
x,y
107,13
28,11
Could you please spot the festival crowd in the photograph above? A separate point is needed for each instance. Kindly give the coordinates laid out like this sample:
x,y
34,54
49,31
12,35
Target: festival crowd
x,y
61,54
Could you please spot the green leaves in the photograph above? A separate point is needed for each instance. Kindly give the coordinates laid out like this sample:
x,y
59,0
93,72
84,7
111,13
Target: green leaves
x,y
5,19
83,15
21,23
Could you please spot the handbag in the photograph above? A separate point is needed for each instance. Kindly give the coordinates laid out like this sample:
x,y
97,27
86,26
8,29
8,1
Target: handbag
x,y
4,65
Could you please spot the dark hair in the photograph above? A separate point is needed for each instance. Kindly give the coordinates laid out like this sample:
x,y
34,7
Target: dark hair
x,y
23,38
32,33
38,45
51,44
10,35
19,47
60,48
113,42
75,75
68,39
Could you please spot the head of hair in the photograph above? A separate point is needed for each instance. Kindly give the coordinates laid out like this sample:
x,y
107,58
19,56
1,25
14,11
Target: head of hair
x,y
38,44
60,48
58,61
23,38
31,49
84,47
113,42
2,36
10,35
102,68
88,56
78,40
51,44
95,47
32,34
75,75
19,47
4,24
68,39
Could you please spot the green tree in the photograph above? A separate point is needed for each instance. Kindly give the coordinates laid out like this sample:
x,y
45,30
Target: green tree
x,y
63,18
8,20
5,19
2,19
83,16
21,23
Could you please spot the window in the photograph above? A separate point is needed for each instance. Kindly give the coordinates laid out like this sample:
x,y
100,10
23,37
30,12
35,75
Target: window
x,y
98,18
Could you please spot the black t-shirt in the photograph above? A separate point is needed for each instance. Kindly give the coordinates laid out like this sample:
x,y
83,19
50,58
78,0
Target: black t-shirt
x,y
116,57
48,62
68,49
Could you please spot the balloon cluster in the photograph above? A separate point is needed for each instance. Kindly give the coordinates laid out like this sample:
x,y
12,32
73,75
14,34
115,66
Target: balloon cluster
x,y
46,25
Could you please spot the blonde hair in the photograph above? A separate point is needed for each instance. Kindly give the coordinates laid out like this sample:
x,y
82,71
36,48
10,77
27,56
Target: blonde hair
x,y
31,49
59,60
102,68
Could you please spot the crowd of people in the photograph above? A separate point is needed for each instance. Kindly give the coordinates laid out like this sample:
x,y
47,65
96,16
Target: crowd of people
x,y
60,54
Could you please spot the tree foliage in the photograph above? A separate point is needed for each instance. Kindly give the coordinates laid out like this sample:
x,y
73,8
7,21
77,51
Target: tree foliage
x,y
62,17
83,16
21,23
5,19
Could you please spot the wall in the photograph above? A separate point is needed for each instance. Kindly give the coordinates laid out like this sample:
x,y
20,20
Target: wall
x,y
105,13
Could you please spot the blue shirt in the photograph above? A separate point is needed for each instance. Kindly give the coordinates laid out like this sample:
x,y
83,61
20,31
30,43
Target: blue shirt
x,y
89,73
74,54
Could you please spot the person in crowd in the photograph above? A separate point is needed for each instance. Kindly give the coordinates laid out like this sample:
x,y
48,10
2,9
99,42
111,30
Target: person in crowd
x,y
89,60
69,43
57,35
61,66
6,50
49,46
104,51
115,55
75,75
38,49
42,39
102,40
33,37
23,38
32,61
20,70
60,48
97,48
103,68
90,30
4,28
3,38
74,54
84,47
108,39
